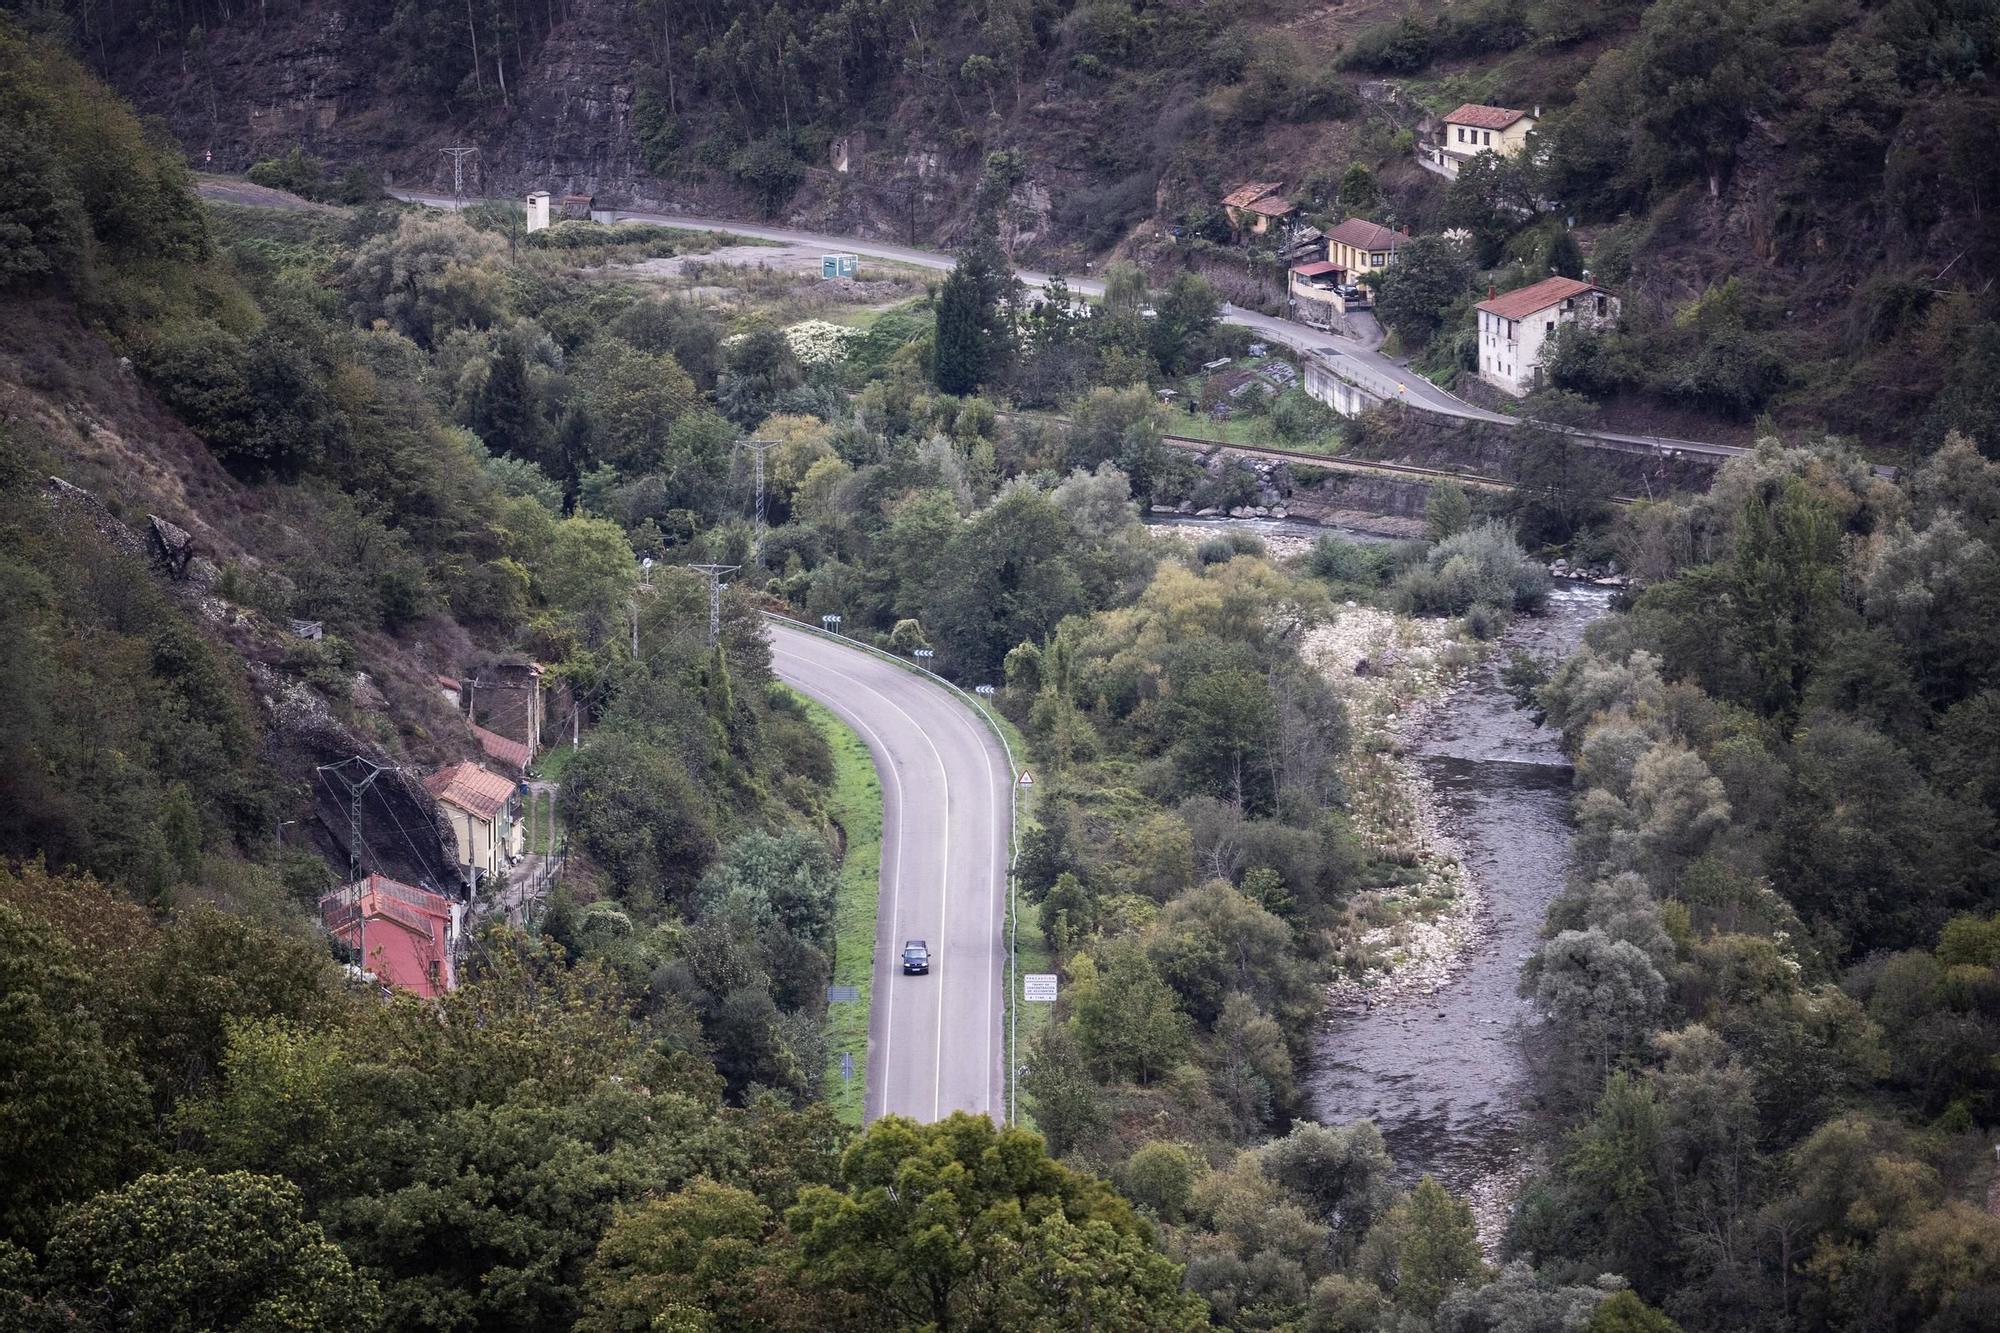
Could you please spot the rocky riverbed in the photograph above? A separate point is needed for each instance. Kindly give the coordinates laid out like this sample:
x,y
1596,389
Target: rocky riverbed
x,y
1426,1039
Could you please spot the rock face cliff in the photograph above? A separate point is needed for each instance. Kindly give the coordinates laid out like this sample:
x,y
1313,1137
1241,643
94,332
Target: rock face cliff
x,y
318,77
334,78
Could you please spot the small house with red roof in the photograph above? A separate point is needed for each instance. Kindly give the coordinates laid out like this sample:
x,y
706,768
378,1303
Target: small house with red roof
x,y
1474,129
1256,207
1315,292
484,811
1515,327
404,936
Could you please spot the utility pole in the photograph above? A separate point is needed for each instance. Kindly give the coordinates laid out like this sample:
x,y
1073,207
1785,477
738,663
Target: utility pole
x,y
758,448
356,789
458,154
715,573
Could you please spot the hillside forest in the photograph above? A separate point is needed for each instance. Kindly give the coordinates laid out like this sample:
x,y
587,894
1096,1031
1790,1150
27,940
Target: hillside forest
x,y
1766,1062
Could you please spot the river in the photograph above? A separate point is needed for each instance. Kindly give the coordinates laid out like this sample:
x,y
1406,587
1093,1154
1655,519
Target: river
x,y
1443,1074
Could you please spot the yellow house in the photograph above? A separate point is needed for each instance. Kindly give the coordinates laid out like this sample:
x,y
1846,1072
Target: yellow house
x,y
483,810
1360,246
1474,129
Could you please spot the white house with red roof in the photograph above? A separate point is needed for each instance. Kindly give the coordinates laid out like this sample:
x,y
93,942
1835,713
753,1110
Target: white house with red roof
x,y
1474,129
403,935
1514,327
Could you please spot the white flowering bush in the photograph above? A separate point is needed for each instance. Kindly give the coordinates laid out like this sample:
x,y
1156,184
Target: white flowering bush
x,y
816,342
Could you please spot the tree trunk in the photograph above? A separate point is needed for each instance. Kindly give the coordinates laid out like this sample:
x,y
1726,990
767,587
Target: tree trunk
x,y
472,30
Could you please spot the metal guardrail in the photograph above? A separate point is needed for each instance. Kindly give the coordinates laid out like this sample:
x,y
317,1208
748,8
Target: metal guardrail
x,y
1013,830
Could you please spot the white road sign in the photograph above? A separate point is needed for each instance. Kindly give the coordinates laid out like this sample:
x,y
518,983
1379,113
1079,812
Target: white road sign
x,y
1039,987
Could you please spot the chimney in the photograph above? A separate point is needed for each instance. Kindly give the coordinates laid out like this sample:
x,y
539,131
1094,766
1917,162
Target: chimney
x,y
1492,292
1538,111
1406,229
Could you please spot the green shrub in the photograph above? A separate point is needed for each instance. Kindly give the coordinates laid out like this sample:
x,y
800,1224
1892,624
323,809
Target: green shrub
x,y
1482,566
295,172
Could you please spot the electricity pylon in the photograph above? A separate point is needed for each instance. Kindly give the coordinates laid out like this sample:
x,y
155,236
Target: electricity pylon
x,y
715,573
758,448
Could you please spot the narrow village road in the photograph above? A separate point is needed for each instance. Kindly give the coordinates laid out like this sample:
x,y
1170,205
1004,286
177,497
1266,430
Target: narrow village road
x,y
935,1043
1354,359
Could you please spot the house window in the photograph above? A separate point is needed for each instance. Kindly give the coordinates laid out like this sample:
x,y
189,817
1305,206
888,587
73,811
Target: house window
x,y
1489,138
1600,305
1549,327
436,974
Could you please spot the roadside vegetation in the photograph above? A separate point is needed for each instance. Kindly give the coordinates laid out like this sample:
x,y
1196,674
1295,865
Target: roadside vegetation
x,y
854,804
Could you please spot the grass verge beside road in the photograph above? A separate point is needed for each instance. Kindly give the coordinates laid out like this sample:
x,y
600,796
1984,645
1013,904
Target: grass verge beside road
x,y
855,803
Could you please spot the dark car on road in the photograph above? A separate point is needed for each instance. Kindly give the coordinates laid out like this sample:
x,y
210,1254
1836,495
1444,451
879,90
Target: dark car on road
x,y
916,957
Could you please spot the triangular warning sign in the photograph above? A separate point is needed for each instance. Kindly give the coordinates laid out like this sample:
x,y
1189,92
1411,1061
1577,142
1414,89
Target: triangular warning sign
x,y
1027,778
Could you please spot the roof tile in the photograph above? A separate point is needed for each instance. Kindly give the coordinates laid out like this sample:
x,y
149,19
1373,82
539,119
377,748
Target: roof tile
x,y
1245,195
1484,117
502,749
477,791
1525,301
1365,235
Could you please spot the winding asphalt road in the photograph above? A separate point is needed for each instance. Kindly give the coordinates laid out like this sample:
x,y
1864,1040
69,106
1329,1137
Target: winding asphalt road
x,y
1354,359
935,1043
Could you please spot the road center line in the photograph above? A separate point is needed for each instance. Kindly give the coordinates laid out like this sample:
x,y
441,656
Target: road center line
x,y
944,887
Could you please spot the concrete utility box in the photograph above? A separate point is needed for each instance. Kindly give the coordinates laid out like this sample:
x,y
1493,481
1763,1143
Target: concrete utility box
x,y
837,266
538,210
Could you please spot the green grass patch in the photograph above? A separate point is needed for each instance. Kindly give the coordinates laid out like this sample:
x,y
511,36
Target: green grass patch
x,y
1032,954
855,802
542,822
551,763
1251,432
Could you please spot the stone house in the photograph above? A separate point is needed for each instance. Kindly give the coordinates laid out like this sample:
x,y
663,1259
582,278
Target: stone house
x,y
1255,208
1514,327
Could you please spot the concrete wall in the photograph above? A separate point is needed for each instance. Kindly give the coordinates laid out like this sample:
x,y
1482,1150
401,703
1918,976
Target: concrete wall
x,y
1350,400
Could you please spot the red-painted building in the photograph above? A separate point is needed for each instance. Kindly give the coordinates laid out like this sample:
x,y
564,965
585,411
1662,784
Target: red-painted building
x,y
407,935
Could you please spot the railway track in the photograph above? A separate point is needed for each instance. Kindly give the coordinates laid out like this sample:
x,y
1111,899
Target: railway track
x,y
1195,444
